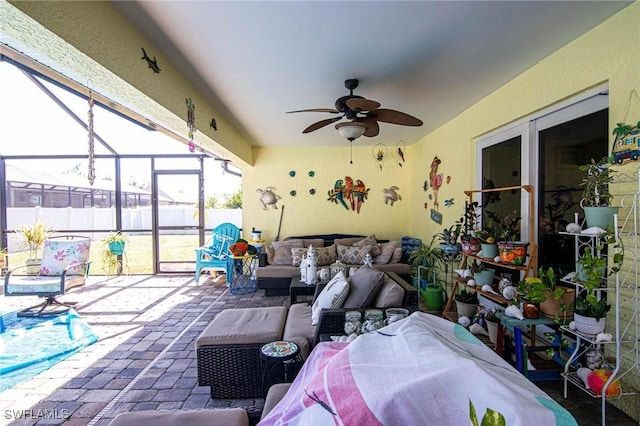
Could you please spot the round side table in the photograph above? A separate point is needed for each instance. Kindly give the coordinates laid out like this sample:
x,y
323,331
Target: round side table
x,y
278,359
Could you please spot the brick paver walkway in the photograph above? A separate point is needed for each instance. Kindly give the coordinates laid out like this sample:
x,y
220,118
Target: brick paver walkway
x,y
145,357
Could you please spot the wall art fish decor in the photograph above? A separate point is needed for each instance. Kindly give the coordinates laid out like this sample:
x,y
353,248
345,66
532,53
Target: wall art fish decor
x,y
153,64
268,197
391,195
349,194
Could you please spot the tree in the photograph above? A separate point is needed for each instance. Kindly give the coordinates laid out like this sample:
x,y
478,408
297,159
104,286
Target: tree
x,y
234,201
212,202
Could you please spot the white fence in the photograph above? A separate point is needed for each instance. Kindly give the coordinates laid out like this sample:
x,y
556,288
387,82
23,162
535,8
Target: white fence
x,y
105,218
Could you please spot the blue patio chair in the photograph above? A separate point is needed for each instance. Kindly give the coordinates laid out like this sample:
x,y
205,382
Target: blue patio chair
x,y
65,264
214,255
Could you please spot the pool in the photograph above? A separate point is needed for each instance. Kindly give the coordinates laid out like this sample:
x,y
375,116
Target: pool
x,y
30,345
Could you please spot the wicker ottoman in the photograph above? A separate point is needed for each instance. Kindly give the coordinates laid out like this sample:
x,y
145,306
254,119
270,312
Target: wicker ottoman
x,y
228,350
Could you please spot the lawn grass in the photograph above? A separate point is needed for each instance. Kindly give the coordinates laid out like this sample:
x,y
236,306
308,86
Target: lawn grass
x,y
138,255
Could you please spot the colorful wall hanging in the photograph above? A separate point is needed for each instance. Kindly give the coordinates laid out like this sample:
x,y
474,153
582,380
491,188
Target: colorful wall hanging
x,y
400,150
191,122
268,198
379,152
390,195
626,146
347,194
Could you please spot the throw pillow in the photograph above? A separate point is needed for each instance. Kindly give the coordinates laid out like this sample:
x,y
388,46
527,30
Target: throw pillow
x,y
282,252
386,252
365,285
352,255
390,295
370,241
396,257
324,255
331,297
59,254
346,241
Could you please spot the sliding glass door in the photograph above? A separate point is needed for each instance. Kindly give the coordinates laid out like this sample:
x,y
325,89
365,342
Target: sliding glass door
x,y
545,151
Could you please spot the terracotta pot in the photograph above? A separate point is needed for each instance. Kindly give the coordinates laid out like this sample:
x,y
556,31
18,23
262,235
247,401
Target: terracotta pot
x,y
550,308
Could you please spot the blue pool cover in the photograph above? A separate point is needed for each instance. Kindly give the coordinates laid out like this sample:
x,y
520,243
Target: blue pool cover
x,y
30,345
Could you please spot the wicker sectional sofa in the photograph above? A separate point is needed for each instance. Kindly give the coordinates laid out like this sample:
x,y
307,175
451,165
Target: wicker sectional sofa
x,y
227,351
279,264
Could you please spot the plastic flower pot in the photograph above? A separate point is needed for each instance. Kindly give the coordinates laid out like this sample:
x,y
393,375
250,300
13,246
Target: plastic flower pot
x,y
513,252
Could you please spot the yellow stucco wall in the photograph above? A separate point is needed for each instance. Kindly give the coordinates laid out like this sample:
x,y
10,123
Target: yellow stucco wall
x,y
610,54
313,214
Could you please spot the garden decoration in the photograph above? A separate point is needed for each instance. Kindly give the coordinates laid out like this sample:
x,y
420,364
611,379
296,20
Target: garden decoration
x,y
91,175
153,64
390,195
379,152
268,198
349,194
400,149
191,122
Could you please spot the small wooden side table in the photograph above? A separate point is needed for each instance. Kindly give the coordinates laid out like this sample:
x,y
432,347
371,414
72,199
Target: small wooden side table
x,y
299,288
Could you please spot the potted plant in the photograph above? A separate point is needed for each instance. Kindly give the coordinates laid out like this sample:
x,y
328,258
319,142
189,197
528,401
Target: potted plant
x,y
591,307
428,256
482,275
532,289
466,303
115,242
470,244
492,321
559,301
33,237
596,198
449,240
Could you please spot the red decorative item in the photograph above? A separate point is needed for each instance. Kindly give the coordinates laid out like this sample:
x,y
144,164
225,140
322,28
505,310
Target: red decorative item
x,y
597,379
239,248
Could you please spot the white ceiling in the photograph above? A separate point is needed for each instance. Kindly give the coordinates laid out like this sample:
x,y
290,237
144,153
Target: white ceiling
x,y
255,60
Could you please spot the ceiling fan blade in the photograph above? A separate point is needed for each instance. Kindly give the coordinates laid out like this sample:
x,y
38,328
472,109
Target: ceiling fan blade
x,y
331,110
320,124
395,117
362,104
372,127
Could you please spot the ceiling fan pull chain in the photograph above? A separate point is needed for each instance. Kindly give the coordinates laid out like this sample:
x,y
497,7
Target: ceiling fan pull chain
x,y
350,152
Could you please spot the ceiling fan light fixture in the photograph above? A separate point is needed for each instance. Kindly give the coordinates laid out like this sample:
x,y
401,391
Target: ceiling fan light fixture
x,y
351,130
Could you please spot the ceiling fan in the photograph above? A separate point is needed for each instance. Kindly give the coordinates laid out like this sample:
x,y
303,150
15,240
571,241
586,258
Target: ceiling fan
x,y
364,115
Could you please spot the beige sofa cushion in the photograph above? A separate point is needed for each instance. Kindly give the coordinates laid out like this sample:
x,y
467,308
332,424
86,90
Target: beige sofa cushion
x,y
244,326
212,417
275,394
369,241
390,295
386,251
346,241
324,255
279,252
365,285
298,328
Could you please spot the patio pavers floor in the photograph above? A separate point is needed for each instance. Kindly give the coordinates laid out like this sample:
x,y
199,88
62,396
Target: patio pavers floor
x,y
145,357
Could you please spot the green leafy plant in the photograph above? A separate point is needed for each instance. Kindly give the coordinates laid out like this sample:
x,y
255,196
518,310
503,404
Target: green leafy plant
x,y
594,308
450,235
532,289
115,237
34,236
427,255
595,183
466,296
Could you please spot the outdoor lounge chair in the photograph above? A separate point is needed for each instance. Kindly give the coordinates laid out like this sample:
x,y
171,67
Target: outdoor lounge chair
x,y
65,264
215,254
